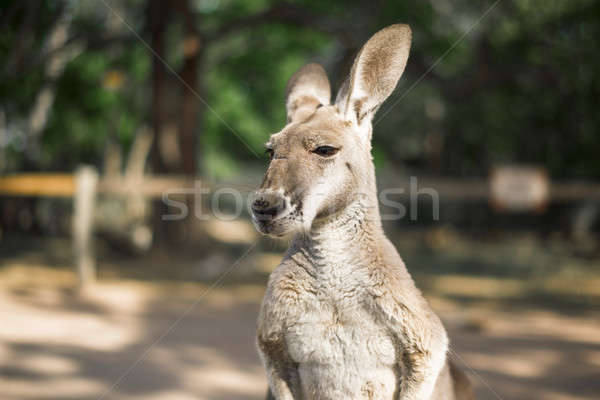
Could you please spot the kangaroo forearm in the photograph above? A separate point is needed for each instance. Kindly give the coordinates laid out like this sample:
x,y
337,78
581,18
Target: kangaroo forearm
x,y
280,369
423,362
420,376
279,382
422,344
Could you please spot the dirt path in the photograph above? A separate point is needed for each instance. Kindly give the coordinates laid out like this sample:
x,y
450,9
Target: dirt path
x,y
57,345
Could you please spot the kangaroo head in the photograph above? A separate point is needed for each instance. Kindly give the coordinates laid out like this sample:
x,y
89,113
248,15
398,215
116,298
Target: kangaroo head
x,y
321,160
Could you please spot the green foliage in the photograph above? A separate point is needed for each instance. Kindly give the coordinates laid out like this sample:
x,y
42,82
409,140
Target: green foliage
x,y
522,86
87,112
252,101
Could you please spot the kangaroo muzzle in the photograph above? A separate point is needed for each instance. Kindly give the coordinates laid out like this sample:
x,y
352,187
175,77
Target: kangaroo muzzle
x,y
268,205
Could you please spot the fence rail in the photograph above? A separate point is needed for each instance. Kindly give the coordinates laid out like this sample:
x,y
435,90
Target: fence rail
x,y
64,185
84,185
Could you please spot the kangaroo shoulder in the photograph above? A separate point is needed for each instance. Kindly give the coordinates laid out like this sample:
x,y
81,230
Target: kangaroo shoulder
x,y
289,281
393,288
288,284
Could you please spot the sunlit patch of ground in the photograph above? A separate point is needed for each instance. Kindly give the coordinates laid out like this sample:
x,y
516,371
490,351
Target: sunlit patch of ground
x,y
519,336
56,343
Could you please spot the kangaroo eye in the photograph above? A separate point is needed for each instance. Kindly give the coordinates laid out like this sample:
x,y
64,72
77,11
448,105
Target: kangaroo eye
x,y
270,153
325,151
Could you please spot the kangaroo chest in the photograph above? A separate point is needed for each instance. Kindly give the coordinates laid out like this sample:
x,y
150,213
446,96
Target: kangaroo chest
x,y
339,346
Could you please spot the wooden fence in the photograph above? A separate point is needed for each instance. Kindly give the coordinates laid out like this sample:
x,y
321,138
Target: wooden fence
x,y
84,185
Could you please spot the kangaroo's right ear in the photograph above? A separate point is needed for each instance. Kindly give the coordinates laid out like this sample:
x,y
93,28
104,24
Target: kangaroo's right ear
x,y
306,90
375,73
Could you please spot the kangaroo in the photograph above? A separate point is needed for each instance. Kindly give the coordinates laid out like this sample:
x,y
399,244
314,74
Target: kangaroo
x,y
342,317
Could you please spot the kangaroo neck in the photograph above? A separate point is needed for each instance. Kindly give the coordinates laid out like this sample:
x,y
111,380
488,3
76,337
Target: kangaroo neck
x,y
349,236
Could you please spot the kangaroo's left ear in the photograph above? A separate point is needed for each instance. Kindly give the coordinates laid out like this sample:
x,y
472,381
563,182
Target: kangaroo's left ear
x,y
374,75
306,90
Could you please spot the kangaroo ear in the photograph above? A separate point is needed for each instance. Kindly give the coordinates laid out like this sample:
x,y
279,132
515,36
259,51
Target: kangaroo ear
x,y
306,90
374,75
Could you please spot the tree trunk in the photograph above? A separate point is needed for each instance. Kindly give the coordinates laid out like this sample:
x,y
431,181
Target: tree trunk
x,y
189,102
157,17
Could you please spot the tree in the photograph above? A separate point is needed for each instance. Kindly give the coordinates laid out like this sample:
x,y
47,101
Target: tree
x,y
519,87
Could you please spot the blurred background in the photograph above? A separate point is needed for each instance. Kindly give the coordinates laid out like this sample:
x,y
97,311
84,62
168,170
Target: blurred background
x,y
117,116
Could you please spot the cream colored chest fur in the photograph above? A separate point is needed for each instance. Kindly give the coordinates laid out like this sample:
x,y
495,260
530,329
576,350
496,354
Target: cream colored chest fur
x,y
341,350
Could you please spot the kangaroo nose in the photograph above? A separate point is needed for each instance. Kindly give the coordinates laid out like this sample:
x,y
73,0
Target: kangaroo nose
x,y
262,209
266,207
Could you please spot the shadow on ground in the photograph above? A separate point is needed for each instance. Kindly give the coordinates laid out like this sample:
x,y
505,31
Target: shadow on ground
x,y
170,336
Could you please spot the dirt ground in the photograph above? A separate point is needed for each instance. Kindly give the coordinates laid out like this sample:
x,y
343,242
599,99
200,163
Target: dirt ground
x,y
127,338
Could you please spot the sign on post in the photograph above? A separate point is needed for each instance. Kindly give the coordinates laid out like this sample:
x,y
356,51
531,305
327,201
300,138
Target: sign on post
x,y
519,188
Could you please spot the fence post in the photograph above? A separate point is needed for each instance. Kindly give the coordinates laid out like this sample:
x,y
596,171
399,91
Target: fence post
x,y
86,182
